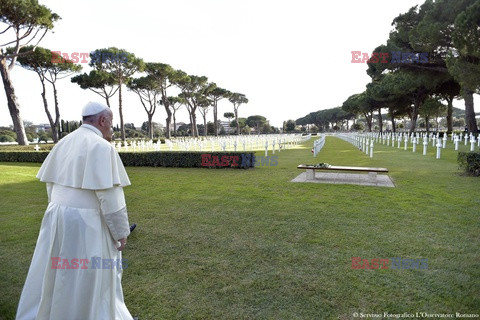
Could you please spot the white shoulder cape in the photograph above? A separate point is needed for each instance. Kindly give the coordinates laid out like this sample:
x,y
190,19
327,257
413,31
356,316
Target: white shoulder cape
x,y
83,159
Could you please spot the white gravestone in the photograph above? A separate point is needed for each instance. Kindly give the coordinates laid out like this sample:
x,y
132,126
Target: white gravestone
x,y
439,147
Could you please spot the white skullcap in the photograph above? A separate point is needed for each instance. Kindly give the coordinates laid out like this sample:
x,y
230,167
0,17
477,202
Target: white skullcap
x,y
92,108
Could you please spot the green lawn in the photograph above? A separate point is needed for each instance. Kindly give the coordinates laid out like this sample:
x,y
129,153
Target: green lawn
x,y
249,244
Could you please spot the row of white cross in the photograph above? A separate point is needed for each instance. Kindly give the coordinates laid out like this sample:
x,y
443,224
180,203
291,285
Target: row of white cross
x,y
365,141
275,142
318,145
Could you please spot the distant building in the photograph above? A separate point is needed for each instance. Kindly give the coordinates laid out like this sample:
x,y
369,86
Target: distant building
x,y
41,127
226,126
178,125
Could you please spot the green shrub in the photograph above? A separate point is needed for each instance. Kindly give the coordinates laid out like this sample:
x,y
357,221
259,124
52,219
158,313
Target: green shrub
x,y
155,140
29,137
357,127
470,162
5,138
186,159
43,137
10,133
23,156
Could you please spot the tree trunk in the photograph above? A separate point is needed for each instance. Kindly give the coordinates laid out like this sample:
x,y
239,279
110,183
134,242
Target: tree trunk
x,y
392,118
368,118
174,123
168,121
470,112
150,126
236,120
194,123
193,120
107,98
427,125
13,106
380,120
414,117
120,112
205,124
215,124
417,103
49,115
449,114
57,113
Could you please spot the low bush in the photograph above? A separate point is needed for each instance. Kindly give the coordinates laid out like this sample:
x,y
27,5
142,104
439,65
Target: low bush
x,y
5,138
23,156
187,159
470,162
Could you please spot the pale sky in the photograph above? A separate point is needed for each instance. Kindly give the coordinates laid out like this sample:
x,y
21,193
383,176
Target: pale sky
x,y
289,58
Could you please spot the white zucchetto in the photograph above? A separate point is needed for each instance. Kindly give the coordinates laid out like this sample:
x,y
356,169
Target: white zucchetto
x,y
92,108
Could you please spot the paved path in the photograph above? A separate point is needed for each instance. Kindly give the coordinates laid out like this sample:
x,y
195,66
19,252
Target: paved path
x,y
382,180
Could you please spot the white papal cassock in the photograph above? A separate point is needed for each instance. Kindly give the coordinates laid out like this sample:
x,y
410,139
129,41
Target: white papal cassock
x,y
85,217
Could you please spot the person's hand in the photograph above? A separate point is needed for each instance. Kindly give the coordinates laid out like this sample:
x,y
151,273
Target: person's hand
x,y
123,243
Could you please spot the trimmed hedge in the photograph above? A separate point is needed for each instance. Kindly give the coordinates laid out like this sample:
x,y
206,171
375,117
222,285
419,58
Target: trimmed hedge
x,y
470,162
23,156
237,160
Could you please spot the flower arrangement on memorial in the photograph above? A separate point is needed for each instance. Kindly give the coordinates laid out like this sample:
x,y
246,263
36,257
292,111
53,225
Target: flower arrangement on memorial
x,y
321,165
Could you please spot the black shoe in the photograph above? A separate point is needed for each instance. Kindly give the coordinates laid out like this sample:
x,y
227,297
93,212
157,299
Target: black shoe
x,y
132,227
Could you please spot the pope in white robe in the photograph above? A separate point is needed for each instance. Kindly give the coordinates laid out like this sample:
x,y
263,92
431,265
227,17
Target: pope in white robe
x,y
77,264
